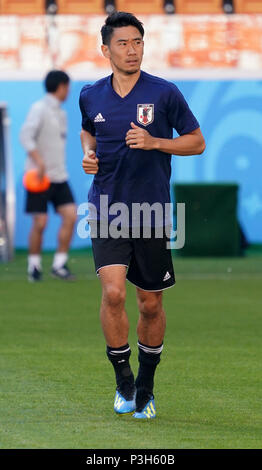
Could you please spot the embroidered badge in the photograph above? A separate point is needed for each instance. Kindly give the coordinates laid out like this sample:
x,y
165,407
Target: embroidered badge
x,y
145,114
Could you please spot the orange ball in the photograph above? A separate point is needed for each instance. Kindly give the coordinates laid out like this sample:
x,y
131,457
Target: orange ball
x,y
32,182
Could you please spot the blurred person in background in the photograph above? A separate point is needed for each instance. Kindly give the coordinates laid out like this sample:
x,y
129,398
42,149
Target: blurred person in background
x,y
43,136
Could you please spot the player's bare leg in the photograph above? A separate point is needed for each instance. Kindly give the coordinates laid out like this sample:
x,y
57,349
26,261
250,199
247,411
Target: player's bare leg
x,y
113,316
35,245
68,216
115,326
152,320
150,329
36,233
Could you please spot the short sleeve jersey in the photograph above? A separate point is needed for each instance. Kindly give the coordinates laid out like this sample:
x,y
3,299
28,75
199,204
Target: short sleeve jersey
x,y
133,175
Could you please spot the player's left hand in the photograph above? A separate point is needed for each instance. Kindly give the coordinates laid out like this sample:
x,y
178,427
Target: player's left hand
x,y
138,138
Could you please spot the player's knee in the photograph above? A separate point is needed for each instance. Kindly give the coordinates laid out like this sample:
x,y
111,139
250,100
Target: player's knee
x,y
68,215
40,224
73,216
70,219
114,296
150,307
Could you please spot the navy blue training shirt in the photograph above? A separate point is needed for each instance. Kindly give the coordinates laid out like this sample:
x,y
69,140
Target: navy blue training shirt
x,y
133,175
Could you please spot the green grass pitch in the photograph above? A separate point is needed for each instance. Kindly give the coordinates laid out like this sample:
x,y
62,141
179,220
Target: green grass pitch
x,y
57,386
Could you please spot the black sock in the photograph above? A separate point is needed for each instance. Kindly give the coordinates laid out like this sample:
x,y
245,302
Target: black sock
x,y
119,357
149,358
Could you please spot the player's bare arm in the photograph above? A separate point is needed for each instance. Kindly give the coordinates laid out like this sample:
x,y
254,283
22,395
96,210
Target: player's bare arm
x,y
90,161
192,143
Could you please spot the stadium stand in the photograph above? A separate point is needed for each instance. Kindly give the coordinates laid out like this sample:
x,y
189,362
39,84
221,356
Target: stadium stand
x,y
38,7
141,7
199,6
80,7
248,6
22,7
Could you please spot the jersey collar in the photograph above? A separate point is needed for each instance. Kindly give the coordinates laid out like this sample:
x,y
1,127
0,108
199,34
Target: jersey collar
x,y
110,79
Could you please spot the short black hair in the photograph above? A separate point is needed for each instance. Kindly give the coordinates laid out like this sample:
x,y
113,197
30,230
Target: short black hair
x,y
118,20
53,80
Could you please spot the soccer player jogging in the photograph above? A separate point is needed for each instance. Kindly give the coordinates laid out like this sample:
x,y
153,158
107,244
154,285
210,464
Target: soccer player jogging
x,y
127,139
43,136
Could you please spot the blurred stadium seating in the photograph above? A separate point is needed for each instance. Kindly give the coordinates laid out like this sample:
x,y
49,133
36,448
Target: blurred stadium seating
x,y
248,6
22,7
199,6
38,7
80,7
136,6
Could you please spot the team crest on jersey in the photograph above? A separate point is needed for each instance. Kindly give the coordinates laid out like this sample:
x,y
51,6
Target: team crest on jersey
x,y
145,114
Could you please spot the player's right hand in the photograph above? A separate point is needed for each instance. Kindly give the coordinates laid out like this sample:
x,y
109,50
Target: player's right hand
x,y
90,163
41,170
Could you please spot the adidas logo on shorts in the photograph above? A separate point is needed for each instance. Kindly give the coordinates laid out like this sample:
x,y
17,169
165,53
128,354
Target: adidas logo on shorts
x,y
99,118
167,276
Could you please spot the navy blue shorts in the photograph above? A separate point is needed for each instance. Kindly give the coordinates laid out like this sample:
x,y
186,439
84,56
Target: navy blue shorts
x,y
148,260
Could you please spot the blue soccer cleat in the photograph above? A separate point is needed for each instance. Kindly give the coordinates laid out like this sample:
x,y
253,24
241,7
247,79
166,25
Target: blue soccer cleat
x,y
148,412
122,406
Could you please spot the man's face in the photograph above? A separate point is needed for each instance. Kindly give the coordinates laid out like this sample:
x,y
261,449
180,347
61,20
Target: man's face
x,y
125,50
63,91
